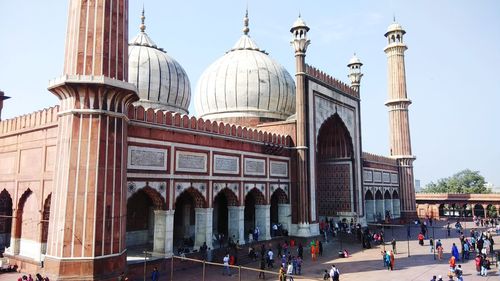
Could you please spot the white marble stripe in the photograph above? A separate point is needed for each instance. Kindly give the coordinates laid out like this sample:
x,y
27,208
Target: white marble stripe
x,y
113,196
84,58
105,187
75,191
89,146
96,185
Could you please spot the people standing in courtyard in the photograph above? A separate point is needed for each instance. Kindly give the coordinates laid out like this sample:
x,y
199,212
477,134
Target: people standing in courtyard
x,y
452,262
484,266
155,275
454,252
289,271
270,259
459,273
262,268
431,243
439,248
391,258
393,243
420,239
226,269
299,265
281,274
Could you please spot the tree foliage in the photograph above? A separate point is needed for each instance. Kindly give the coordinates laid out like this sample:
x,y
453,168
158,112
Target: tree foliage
x,y
465,181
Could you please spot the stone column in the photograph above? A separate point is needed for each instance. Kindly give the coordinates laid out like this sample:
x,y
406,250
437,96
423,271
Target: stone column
x,y
285,215
498,211
263,221
485,208
236,223
370,209
203,227
163,232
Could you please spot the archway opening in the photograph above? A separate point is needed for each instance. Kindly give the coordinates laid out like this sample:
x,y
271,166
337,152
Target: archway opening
x,y
250,202
491,211
220,215
5,219
45,223
27,220
442,210
334,169
370,207
479,210
185,217
387,206
140,219
379,205
278,198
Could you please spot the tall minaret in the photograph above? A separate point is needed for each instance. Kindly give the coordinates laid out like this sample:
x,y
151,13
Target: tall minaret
x,y
399,125
300,43
2,98
86,239
355,74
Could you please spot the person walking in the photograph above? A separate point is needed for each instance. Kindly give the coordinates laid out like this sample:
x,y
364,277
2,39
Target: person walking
x,y
289,271
155,275
392,259
334,273
393,243
270,259
484,266
281,274
387,260
262,268
226,269
299,265
459,273
420,239
440,251
454,252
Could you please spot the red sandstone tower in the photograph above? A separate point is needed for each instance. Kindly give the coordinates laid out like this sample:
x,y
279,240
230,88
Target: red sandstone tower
x,y
86,239
399,125
300,43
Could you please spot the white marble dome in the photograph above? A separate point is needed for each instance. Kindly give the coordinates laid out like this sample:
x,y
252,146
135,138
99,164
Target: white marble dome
x,y
245,82
161,81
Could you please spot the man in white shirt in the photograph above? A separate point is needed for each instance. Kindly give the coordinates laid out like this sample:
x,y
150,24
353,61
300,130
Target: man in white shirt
x,y
227,270
289,271
270,260
334,273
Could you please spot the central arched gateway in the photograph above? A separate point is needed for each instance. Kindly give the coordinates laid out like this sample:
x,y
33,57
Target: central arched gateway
x,y
334,166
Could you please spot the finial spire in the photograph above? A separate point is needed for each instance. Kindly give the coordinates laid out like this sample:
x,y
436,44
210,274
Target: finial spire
x,y
142,27
394,17
245,23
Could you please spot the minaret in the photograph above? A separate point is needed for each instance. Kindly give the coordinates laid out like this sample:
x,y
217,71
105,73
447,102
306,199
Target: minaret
x,y
355,74
86,239
2,98
399,125
300,43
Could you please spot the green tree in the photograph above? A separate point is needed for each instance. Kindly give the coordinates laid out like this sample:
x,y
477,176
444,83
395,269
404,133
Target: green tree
x,y
465,181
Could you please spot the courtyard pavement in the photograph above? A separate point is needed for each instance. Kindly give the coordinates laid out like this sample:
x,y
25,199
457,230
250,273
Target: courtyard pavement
x,y
362,265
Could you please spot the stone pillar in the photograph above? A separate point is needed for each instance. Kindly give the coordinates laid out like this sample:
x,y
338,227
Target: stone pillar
x,y
285,216
203,227
236,223
485,208
498,211
263,221
370,210
163,232
388,206
396,208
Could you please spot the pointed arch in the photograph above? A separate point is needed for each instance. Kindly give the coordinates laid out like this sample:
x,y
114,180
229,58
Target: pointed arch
x,y
387,195
378,195
395,195
281,196
5,219
45,222
368,195
260,199
155,197
334,139
232,199
198,199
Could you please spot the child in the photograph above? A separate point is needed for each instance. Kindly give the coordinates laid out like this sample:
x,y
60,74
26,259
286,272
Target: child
x,y
326,275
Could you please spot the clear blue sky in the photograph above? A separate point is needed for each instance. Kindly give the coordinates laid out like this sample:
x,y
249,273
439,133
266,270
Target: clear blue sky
x,y
452,61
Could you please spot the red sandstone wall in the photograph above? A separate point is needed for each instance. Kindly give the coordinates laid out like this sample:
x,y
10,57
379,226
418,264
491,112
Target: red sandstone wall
x,y
27,160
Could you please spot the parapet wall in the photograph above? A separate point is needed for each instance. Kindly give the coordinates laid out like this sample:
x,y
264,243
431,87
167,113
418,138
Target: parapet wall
x,y
379,159
47,116
330,81
173,119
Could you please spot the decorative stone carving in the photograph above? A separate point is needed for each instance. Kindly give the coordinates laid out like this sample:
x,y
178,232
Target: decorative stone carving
x,y
146,158
377,176
394,178
186,161
224,164
368,176
255,167
386,177
278,168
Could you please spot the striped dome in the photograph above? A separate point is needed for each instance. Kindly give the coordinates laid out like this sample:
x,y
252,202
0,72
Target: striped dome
x,y
245,82
161,81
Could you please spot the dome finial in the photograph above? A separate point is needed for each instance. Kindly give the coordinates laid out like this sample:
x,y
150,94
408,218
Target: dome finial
x,y
142,27
245,23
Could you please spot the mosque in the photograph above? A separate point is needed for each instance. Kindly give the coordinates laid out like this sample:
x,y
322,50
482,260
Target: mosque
x,y
119,162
